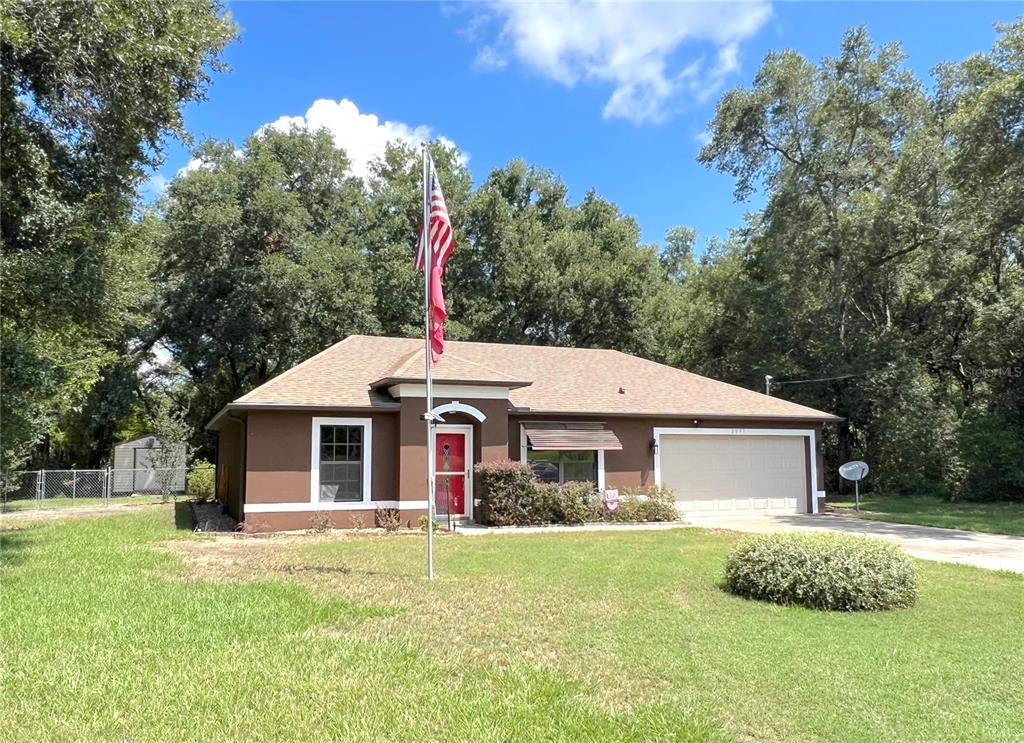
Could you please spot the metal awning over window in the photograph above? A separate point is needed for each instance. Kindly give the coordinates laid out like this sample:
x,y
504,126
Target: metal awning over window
x,y
583,436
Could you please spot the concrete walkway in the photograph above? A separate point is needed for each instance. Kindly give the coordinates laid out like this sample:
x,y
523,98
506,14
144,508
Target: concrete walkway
x,y
992,551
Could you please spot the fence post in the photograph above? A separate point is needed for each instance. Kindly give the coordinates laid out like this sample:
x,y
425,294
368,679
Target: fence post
x,y
74,484
108,487
40,487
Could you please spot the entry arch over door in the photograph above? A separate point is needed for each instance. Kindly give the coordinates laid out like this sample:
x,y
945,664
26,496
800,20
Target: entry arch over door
x,y
714,469
460,407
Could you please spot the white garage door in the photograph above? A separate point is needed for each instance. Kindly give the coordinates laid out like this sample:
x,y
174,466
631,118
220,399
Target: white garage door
x,y
734,473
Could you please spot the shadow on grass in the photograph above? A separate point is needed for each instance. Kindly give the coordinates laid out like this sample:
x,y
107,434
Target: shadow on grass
x,y
183,516
14,544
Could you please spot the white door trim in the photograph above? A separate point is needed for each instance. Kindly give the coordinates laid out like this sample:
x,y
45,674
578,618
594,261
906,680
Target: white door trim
x,y
700,431
468,431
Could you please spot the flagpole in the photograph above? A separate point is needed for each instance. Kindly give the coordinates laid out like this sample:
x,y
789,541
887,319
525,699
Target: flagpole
x,y
427,261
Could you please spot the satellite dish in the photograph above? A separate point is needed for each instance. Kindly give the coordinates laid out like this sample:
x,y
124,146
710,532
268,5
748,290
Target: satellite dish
x,y
854,471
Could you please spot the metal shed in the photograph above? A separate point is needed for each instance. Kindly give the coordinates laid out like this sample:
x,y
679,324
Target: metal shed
x,y
134,467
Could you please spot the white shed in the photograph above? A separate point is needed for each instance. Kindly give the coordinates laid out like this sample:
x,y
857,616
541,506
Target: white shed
x,y
134,467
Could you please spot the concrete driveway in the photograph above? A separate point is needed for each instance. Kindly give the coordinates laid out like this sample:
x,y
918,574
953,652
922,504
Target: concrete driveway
x,y
992,551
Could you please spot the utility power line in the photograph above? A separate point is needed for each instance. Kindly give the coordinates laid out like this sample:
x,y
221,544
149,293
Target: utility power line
x,y
771,383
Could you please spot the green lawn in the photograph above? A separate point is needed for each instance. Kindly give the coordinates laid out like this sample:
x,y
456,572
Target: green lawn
x,y
123,627
996,518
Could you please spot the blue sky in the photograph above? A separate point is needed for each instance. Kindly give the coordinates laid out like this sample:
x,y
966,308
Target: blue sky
x,y
609,97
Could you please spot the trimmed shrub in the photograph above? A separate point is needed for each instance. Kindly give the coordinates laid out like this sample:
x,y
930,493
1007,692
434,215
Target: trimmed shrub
x,y
199,483
841,572
507,494
570,503
659,505
647,504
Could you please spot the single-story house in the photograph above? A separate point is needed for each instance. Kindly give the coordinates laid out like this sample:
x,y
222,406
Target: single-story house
x,y
342,433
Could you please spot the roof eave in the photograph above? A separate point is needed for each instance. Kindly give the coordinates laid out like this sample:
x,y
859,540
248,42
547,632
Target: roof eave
x,y
821,418
218,419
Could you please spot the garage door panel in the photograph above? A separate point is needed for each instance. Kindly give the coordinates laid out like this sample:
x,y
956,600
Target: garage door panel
x,y
711,473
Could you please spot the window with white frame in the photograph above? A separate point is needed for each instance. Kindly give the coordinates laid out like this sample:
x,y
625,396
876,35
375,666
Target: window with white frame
x,y
340,470
563,466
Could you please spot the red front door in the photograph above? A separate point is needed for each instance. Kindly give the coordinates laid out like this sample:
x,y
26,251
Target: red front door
x,y
450,466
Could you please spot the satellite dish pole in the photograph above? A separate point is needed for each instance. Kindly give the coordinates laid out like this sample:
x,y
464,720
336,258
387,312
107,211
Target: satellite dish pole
x,y
768,384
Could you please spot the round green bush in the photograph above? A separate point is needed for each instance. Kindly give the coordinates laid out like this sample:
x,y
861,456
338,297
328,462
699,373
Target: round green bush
x,y
826,570
200,484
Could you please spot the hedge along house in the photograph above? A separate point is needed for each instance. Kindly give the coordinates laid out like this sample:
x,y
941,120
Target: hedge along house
x,y
341,434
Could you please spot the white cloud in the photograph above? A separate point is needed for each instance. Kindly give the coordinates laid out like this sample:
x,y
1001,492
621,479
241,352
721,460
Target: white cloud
x,y
153,187
632,46
199,164
702,137
363,136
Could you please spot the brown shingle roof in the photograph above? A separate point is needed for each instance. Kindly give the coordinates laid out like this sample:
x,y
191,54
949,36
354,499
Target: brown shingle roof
x,y
558,380
449,368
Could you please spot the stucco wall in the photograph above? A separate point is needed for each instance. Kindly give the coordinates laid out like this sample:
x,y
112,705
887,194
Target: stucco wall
x,y
229,460
489,439
633,466
279,454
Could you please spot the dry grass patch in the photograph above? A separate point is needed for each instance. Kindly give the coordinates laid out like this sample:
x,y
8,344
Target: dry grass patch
x,y
494,622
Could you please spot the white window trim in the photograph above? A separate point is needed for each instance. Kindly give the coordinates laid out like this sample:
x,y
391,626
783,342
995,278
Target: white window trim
x,y
524,450
699,431
314,463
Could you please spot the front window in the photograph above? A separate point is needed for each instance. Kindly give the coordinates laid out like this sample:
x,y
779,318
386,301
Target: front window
x,y
341,463
563,466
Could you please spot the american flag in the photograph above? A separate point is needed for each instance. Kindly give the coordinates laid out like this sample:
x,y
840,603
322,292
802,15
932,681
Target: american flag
x,y
442,238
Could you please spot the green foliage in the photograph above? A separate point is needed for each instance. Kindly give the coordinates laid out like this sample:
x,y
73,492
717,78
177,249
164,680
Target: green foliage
x,y
89,93
424,520
509,496
993,448
887,258
200,481
261,262
653,503
506,494
888,253
535,269
840,572
561,504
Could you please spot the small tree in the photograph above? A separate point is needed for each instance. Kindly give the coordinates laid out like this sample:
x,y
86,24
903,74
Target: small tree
x,y
175,451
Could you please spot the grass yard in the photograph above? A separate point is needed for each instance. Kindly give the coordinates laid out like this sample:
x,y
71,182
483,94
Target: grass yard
x,y
123,627
30,504
995,518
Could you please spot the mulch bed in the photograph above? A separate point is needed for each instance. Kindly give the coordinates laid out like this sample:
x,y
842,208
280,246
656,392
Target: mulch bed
x,y
209,517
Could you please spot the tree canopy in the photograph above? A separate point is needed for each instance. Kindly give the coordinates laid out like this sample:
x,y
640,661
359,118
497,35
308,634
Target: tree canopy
x,y
89,93
881,280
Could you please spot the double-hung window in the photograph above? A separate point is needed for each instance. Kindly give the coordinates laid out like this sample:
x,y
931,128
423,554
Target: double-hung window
x,y
341,460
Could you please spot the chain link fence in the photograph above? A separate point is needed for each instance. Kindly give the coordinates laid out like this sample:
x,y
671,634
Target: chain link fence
x,y
69,488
